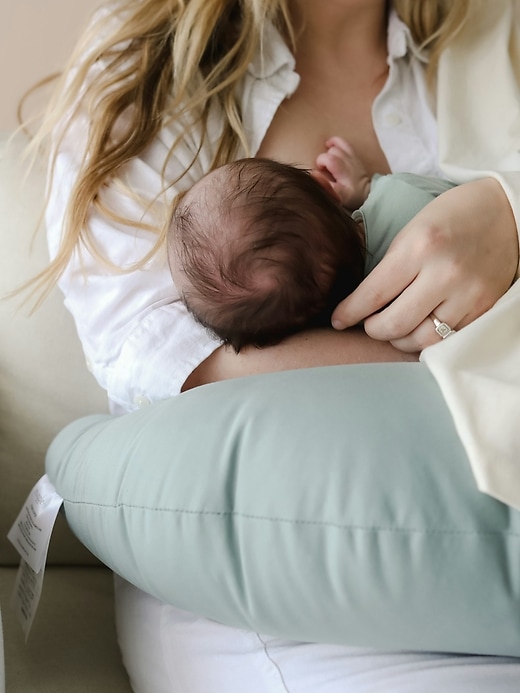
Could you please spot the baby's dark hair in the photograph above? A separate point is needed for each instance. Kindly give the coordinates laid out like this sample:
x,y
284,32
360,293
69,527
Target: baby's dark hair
x,y
266,251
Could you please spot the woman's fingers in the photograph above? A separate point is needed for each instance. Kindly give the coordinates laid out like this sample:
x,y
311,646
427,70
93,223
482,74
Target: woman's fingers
x,y
424,335
388,279
418,333
406,321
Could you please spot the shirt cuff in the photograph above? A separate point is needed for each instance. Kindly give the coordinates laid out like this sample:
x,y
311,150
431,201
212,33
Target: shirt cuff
x,y
157,358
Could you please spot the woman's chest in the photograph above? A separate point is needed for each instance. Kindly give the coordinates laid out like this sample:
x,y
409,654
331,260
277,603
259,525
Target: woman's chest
x,y
300,129
390,124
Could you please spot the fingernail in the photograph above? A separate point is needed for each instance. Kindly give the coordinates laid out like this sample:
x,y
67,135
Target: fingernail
x,y
337,324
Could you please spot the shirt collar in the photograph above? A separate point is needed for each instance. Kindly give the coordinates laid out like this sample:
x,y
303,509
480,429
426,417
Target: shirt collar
x,y
400,41
273,55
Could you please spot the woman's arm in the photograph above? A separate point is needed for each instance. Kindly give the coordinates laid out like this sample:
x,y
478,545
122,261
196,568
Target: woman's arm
x,y
302,350
461,254
139,340
456,258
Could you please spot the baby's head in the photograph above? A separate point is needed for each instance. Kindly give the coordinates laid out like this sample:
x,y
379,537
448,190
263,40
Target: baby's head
x,y
260,250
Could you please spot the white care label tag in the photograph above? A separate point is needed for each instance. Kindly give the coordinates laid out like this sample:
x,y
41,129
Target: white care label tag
x,y
31,535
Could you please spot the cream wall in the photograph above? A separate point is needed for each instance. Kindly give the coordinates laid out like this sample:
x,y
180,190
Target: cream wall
x,y
36,37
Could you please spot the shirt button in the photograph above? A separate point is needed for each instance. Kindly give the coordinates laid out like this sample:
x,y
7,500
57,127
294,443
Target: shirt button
x,y
141,401
393,119
89,365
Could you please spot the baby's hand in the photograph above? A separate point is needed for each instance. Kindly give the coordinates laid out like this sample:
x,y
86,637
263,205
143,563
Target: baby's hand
x,y
345,171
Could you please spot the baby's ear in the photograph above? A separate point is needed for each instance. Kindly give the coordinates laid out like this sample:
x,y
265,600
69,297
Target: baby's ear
x,y
325,183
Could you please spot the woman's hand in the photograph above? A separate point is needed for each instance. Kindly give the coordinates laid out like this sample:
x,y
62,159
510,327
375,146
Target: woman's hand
x,y
456,258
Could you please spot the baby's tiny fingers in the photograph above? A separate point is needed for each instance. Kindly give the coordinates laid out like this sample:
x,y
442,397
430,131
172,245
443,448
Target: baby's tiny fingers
x,y
340,143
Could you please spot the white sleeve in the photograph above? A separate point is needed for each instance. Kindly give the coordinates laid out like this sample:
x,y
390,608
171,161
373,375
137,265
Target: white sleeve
x,y
138,338
477,369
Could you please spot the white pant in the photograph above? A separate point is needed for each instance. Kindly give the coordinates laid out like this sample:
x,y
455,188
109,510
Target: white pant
x,y
167,650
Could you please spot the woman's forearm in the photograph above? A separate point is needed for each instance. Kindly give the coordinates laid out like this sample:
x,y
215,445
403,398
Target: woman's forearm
x,y
456,258
302,350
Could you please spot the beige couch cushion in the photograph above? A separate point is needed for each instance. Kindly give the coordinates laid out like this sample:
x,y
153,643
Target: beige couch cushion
x,y
72,647
2,669
44,382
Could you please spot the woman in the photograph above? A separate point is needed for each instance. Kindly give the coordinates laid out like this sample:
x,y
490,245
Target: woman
x,y
160,92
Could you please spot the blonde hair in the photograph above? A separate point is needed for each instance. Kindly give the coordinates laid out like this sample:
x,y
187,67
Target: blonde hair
x,y
173,59
433,24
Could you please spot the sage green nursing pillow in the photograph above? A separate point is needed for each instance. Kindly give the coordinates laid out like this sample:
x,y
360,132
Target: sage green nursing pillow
x,y
331,504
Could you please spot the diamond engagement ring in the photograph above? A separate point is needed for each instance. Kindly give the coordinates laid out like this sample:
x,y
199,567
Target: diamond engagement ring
x,y
442,328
